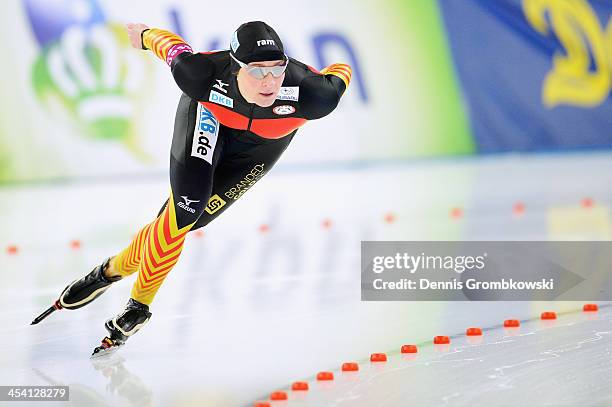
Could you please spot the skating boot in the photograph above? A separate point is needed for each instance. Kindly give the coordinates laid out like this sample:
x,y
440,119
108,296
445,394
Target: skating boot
x,y
123,326
81,292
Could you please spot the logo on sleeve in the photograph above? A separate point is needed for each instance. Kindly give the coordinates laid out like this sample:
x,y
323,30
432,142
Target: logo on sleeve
x,y
284,110
289,93
220,99
205,134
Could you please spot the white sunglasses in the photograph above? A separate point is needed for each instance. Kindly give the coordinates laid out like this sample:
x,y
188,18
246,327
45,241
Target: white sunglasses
x,y
261,72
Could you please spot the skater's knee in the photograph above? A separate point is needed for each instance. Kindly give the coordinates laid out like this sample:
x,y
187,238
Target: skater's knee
x,y
188,209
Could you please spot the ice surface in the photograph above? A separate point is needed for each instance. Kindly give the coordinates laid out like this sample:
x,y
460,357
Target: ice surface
x,y
245,313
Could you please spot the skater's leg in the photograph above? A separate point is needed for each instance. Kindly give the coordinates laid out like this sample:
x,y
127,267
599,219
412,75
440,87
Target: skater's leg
x,y
127,261
196,151
162,246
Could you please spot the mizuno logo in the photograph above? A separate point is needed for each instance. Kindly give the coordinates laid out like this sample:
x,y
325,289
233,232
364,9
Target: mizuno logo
x,y
188,202
220,85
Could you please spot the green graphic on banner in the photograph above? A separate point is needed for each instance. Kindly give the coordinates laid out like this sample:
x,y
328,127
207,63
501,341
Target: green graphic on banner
x,y
96,82
424,66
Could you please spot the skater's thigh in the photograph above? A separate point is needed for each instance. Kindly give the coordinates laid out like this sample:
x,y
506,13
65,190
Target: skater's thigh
x,y
242,165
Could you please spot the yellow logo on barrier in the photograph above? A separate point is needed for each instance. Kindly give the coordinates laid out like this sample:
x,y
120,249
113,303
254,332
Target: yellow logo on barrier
x,y
572,80
214,204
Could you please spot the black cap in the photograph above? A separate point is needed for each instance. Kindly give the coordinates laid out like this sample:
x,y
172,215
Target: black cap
x,y
256,41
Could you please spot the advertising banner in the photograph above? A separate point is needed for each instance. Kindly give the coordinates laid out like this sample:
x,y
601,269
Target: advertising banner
x,y
536,74
79,101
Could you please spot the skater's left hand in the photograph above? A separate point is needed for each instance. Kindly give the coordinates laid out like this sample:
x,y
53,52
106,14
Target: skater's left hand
x,y
134,30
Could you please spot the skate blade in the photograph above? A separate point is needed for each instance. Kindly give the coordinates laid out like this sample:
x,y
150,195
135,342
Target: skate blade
x,y
107,348
101,352
55,307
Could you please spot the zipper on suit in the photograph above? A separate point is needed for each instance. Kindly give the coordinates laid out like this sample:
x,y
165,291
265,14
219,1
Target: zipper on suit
x,y
251,116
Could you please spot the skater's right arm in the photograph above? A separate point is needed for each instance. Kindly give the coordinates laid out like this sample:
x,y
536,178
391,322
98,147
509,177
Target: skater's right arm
x,y
193,73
